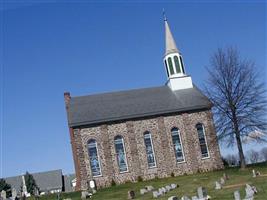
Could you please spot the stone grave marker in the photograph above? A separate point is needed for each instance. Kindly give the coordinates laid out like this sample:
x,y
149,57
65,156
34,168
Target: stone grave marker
x,y
168,188
254,173
156,194
217,185
14,193
202,192
164,190
3,194
185,198
249,192
237,195
173,198
143,191
131,194
149,188
225,176
195,198
222,181
173,185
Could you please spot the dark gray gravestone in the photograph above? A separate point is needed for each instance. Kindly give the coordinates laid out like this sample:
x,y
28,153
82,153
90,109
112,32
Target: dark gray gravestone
x,y
131,194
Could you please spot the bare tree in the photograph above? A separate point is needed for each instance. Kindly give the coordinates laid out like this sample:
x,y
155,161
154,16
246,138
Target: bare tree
x,y
232,159
253,156
264,153
238,95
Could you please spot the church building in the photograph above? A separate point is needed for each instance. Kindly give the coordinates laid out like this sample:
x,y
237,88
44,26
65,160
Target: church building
x,y
143,133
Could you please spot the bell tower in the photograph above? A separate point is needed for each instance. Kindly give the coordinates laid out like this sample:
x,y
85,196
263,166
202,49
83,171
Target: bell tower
x,y
173,61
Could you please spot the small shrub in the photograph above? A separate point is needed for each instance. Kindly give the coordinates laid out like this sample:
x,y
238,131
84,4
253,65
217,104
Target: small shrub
x,y
113,183
139,179
172,174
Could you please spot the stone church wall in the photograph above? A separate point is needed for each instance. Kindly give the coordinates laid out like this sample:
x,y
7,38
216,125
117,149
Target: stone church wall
x,y
132,131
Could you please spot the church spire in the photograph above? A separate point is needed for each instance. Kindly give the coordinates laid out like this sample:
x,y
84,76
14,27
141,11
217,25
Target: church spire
x,y
177,78
169,41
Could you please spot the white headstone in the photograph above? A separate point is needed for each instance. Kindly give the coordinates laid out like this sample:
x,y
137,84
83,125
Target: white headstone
x,y
14,193
3,194
143,191
222,181
195,198
237,195
164,190
200,192
254,173
168,188
156,194
217,186
185,198
149,188
249,192
173,185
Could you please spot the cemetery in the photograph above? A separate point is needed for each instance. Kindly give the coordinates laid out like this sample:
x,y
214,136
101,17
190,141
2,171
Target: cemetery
x,y
227,184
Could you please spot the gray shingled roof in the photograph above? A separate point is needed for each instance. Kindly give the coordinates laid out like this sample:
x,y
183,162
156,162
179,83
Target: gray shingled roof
x,y
46,181
107,107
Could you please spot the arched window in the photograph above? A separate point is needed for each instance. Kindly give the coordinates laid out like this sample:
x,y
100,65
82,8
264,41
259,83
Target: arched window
x,y
166,68
94,158
182,64
120,153
177,66
170,66
202,140
177,145
149,150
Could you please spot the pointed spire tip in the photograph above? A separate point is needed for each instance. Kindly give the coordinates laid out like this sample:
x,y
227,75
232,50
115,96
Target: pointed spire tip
x,y
164,15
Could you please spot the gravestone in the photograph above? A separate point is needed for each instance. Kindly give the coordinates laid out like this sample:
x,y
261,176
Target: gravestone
x,y
131,194
237,195
168,188
185,198
225,176
173,198
254,173
195,198
156,194
160,192
202,192
164,190
85,195
249,192
143,191
14,193
173,185
217,185
3,194
222,181
149,188
258,173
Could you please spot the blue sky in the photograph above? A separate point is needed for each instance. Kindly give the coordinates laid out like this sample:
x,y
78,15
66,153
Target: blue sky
x,y
86,48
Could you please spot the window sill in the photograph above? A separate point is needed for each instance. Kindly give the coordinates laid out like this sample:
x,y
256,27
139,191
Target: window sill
x,y
180,162
124,172
98,176
205,158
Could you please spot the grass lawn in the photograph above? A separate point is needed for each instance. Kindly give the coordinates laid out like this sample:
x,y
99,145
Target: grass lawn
x,y
188,185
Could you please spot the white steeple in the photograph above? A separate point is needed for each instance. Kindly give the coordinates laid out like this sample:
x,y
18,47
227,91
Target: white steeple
x,y
173,61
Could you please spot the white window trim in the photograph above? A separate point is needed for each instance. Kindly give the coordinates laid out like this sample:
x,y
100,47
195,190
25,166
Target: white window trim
x,y
181,145
124,155
152,150
204,131
98,158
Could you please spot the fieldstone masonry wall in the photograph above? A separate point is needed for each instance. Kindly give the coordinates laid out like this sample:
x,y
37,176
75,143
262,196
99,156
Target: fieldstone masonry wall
x,y
132,133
